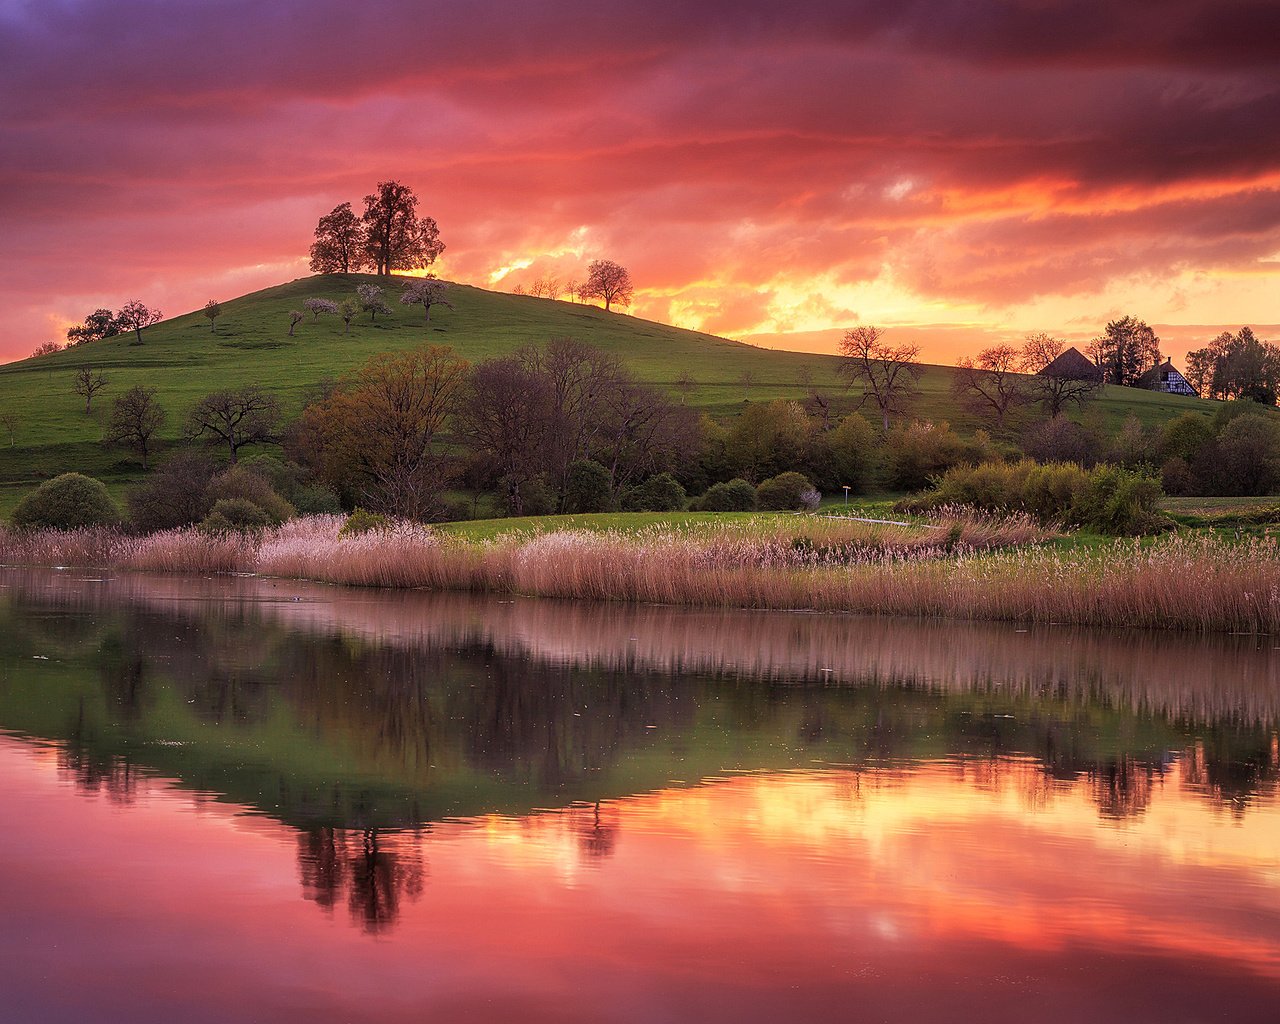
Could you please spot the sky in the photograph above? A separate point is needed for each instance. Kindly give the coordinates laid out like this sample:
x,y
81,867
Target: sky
x,y
956,171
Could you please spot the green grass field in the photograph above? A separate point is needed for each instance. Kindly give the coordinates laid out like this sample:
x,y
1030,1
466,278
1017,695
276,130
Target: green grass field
x,y
184,360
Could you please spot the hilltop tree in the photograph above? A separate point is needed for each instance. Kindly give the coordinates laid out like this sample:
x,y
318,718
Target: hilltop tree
x,y
395,238
88,382
1127,349
340,241
135,417
237,417
212,310
888,374
135,316
99,324
991,384
608,281
1039,350
48,348
426,292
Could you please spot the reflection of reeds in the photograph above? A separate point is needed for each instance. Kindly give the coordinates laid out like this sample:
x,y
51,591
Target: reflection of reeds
x,y
1196,678
955,571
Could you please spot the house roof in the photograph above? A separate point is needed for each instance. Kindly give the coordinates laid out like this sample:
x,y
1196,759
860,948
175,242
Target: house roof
x,y
1152,376
1073,365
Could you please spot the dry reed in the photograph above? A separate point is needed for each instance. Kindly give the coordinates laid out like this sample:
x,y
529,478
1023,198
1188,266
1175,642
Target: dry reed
x,y
955,570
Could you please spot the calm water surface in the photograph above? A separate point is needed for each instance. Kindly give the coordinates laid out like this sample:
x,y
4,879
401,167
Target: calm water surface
x,y
243,800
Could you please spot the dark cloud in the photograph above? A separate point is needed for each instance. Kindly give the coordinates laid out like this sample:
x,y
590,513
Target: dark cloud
x,y
981,150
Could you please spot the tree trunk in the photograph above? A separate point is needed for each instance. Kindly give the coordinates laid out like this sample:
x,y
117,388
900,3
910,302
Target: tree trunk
x,y
884,416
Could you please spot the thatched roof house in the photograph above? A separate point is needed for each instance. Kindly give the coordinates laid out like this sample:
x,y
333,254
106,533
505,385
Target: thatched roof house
x,y
1163,377
1073,365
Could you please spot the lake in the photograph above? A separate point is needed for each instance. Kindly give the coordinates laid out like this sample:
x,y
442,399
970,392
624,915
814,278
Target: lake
x,y
245,799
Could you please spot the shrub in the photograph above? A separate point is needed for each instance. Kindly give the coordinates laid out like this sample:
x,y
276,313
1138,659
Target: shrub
x,y
361,522
1106,498
242,483
235,515
787,492
1062,440
588,488
1243,460
67,502
848,455
315,500
917,453
537,498
173,495
661,493
735,496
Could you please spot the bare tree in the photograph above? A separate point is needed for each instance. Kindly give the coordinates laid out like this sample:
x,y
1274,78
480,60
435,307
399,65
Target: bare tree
x,y
1054,385
1039,350
685,385
992,384
339,244
296,316
135,316
9,420
889,374
572,289
747,378
236,418
608,281
212,310
506,416
136,416
88,382
426,292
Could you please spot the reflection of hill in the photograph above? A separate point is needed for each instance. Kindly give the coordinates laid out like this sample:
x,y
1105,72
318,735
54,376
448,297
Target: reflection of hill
x,y
341,709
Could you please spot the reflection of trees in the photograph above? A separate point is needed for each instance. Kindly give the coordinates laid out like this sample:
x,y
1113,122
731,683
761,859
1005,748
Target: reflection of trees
x,y
1122,786
597,831
1235,767
557,726
375,871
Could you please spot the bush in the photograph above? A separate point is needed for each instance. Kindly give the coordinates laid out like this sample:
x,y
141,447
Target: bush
x,y
917,453
67,502
588,488
174,494
661,493
361,522
787,492
235,515
1244,459
1107,498
848,455
241,483
1062,440
315,500
735,496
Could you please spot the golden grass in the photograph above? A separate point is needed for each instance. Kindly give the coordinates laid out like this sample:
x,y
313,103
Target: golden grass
x,y
955,570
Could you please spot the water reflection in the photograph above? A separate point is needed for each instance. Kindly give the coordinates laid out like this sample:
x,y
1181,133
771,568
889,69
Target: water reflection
x,y
553,812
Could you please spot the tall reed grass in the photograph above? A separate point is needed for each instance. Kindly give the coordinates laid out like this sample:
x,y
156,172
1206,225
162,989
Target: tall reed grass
x,y
960,569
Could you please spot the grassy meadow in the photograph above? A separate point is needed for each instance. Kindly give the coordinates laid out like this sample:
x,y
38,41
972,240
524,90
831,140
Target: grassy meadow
x,y
184,360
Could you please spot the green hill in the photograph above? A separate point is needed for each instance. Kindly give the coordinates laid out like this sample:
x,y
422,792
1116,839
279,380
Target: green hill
x,y
184,360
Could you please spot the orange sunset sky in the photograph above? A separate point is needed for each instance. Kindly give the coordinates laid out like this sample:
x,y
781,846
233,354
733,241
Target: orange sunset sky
x,y
957,170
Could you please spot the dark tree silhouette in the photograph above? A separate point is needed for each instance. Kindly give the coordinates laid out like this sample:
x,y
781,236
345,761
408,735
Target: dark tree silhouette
x,y
395,238
608,281
136,416
236,418
339,244
135,316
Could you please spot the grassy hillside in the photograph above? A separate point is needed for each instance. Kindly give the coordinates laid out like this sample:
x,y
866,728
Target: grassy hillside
x,y
184,360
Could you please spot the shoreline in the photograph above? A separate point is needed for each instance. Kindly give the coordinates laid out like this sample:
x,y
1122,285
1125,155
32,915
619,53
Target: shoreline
x,y
1200,585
